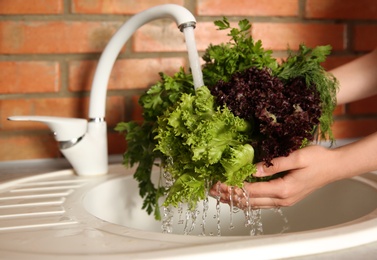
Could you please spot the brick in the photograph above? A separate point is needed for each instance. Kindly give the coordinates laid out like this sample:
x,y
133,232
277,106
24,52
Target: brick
x,y
341,9
365,37
206,33
347,128
159,36
333,62
28,146
117,6
339,110
137,110
81,74
20,77
47,37
366,106
278,36
126,73
31,7
157,46
61,107
116,143
248,8
115,110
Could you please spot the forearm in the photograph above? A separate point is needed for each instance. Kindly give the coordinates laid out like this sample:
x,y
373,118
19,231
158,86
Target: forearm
x,y
357,158
358,79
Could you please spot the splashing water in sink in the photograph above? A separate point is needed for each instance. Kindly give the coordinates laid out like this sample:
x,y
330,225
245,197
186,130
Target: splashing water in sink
x,y
183,220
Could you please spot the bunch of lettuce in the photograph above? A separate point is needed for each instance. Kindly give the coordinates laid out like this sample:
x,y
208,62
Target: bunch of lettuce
x,y
251,109
204,142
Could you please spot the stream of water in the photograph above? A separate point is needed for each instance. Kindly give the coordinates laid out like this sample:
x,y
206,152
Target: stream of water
x,y
193,57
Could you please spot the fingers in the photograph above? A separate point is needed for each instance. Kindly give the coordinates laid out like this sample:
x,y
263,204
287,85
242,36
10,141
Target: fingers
x,y
233,196
273,188
244,202
280,164
255,195
241,198
227,194
270,189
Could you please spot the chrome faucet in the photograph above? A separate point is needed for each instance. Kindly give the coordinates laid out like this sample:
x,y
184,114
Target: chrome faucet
x,y
82,142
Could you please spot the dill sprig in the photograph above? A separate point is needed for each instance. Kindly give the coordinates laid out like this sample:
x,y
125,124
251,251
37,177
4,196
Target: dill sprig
x,y
306,63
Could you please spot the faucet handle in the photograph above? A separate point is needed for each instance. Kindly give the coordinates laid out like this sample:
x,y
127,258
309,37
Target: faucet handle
x,y
65,129
85,150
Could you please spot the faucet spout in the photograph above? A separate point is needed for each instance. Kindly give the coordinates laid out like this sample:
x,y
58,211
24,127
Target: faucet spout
x,y
182,17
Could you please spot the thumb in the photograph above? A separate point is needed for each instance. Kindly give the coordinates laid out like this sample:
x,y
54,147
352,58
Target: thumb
x,y
279,164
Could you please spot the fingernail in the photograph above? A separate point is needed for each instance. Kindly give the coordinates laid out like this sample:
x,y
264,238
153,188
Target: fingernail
x,y
213,193
260,172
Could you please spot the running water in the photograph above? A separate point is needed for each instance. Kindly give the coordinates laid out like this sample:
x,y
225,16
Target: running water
x,y
168,212
218,211
284,218
193,56
247,208
188,221
167,220
231,206
256,223
205,210
192,217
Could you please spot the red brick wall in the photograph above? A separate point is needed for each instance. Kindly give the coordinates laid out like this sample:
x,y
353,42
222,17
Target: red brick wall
x,y
49,50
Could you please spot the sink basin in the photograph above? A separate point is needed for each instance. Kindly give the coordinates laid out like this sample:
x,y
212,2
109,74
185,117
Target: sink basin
x,y
64,216
117,201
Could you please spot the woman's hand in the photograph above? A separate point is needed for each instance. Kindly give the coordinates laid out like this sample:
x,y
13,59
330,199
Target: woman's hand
x,y
308,169
314,166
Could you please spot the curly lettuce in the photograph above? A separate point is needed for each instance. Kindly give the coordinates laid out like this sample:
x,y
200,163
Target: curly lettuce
x,y
202,142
